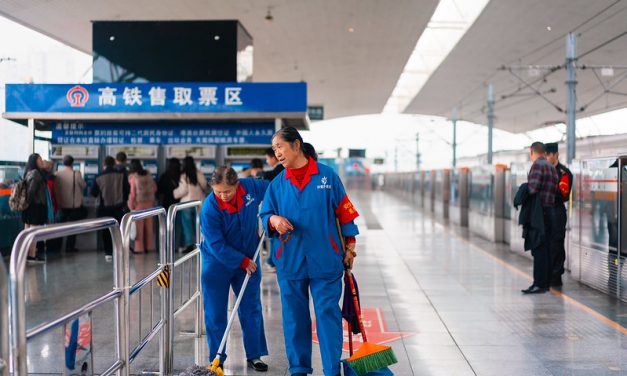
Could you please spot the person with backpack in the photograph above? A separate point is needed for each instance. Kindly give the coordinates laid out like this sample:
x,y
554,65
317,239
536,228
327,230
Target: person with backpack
x,y
142,196
68,193
36,211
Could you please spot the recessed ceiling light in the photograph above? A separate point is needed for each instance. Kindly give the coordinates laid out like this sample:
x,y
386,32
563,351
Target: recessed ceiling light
x,y
549,28
112,38
217,37
350,30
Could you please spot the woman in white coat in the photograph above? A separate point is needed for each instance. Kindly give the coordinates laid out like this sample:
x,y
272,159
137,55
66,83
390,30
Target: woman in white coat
x,y
192,186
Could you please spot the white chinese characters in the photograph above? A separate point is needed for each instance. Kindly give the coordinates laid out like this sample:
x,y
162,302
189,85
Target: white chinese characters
x,y
182,96
132,96
157,96
191,97
208,96
107,96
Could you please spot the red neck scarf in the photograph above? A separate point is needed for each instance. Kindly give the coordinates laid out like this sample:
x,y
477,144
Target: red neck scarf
x,y
235,204
301,176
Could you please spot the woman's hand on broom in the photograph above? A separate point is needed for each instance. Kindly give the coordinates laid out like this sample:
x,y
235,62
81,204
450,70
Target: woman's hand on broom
x,y
349,255
251,267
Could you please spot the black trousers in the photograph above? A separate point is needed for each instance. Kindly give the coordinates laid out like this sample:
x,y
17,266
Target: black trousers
x,y
542,267
116,212
68,215
558,252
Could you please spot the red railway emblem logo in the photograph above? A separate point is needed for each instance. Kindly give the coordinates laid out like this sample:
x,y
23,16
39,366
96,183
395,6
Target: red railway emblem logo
x,y
77,96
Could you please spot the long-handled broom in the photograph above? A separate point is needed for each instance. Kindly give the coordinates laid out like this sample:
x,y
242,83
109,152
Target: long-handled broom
x,y
214,369
370,356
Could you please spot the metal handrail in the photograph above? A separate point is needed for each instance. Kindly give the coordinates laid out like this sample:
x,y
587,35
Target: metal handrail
x,y
197,295
165,260
4,321
19,334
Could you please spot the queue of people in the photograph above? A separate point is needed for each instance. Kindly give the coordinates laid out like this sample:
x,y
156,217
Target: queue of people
x,y
543,215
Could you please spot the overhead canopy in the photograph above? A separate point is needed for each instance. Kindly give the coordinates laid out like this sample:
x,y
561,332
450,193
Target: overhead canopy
x,y
512,32
350,53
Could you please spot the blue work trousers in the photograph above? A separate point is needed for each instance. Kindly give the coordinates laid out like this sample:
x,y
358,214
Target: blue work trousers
x,y
297,328
216,281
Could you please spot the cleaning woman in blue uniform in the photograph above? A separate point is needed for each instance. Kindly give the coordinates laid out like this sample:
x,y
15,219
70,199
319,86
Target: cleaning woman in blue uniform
x,y
229,224
299,212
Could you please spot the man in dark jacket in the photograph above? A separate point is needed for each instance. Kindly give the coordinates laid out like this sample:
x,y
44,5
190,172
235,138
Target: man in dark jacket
x,y
558,252
110,187
542,181
531,217
273,162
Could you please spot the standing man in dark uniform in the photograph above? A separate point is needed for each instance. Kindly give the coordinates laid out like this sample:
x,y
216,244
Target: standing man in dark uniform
x,y
542,180
558,253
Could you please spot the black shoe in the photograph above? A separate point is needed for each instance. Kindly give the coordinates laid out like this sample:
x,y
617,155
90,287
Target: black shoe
x,y
258,365
34,260
534,290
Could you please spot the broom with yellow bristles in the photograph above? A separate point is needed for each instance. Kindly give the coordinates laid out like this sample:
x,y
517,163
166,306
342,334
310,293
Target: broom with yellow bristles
x,y
370,357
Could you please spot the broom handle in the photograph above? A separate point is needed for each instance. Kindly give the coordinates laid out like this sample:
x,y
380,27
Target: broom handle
x,y
239,299
357,309
349,278
350,339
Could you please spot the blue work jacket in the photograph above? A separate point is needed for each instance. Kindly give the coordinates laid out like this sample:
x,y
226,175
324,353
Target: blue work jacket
x,y
314,248
230,234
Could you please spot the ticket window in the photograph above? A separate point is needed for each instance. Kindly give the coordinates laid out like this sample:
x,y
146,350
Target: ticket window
x,y
239,157
85,161
204,156
148,155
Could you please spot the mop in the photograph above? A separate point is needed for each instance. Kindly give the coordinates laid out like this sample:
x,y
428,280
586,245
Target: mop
x,y
215,369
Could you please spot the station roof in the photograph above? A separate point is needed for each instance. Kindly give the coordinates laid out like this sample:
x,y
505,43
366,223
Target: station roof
x,y
351,53
515,34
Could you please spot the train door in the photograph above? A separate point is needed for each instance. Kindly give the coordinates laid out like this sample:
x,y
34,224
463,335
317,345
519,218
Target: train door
x,y
619,258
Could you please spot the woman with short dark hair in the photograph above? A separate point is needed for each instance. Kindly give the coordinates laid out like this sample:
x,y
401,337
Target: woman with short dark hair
x,y
230,226
299,211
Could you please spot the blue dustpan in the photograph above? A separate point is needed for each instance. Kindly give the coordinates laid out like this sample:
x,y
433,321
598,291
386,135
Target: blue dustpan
x,y
349,371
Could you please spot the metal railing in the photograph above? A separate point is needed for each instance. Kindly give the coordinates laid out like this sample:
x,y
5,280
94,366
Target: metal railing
x,y
194,293
121,293
163,326
4,321
19,335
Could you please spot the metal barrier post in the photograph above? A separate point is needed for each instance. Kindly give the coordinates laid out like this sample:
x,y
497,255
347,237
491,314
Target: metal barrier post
x,y
4,322
171,230
19,253
165,259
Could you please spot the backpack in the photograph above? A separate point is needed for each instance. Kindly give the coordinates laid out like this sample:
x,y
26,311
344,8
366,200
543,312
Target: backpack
x,y
19,200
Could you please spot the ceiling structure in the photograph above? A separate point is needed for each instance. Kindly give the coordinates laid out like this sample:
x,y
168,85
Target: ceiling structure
x,y
350,52
515,34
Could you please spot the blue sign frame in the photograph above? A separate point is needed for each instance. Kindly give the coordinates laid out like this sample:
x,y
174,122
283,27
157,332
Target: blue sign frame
x,y
69,133
157,98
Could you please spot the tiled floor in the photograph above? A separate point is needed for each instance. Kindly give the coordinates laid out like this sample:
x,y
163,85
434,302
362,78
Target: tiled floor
x,y
454,299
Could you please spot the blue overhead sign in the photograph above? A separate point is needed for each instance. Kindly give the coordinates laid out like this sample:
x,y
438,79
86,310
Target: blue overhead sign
x,y
69,133
157,98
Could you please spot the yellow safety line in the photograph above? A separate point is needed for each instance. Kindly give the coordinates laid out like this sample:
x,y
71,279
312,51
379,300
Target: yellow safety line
x,y
559,294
